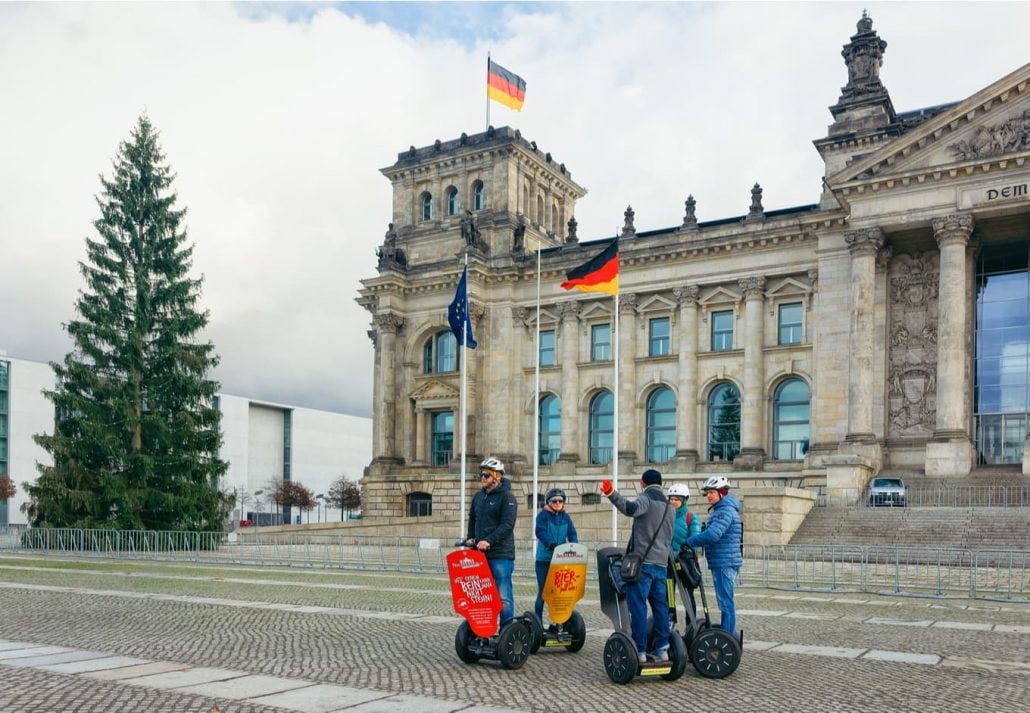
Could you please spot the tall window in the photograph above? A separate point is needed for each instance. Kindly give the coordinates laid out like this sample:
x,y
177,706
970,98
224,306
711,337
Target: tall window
x,y
452,201
547,347
440,354
420,505
478,196
550,429
600,342
724,423
722,331
602,423
658,343
554,218
661,425
442,429
1001,401
790,323
539,210
790,420
427,206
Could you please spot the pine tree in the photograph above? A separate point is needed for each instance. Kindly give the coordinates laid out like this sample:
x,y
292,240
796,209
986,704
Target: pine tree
x,y
137,429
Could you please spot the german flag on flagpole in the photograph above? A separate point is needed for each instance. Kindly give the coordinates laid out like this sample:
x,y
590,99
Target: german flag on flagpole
x,y
601,274
505,87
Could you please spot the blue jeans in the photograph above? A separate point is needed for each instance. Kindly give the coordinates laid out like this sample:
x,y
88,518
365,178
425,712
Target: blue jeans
x,y
541,579
501,570
649,588
722,580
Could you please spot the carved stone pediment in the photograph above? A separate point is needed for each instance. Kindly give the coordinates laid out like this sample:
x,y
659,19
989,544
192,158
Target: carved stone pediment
x,y
992,124
434,391
655,303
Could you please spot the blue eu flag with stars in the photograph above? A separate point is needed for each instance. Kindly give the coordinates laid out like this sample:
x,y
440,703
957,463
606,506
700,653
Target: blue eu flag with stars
x,y
458,312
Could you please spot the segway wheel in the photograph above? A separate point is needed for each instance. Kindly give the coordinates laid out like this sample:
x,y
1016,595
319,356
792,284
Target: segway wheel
x,y
461,643
536,629
514,644
677,655
578,628
715,653
620,658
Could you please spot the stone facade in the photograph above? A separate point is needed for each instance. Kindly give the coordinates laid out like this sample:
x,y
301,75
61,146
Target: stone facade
x,y
865,300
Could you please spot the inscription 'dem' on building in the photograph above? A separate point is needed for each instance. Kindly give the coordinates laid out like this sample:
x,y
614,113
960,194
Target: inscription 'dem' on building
x,y
1007,192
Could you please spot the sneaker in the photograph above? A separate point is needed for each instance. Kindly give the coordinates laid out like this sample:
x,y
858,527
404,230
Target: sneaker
x,y
660,656
642,658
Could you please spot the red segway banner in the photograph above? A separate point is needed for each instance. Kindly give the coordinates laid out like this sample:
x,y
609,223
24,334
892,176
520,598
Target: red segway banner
x,y
566,581
473,591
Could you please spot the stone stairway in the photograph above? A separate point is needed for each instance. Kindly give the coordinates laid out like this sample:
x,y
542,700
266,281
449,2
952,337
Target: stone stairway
x,y
937,527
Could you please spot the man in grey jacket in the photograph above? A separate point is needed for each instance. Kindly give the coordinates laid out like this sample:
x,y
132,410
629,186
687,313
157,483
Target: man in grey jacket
x,y
653,522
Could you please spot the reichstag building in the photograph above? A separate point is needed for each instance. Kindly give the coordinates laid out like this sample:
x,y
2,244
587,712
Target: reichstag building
x,y
884,327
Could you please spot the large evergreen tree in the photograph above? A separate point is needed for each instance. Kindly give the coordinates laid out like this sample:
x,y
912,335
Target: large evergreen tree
x,y
137,429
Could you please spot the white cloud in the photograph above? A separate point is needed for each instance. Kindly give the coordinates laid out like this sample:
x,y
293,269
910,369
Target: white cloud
x,y
277,131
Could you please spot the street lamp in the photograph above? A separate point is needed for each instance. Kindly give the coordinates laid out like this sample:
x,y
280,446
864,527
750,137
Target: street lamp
x,y
320,498
257,503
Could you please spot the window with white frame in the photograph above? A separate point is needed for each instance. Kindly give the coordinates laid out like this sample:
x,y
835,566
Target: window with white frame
x,y
790,326
722,330
547,347
601,342
452,201
658,343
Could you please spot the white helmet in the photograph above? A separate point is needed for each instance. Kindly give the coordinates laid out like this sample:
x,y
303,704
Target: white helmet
x,y
493,464
716,482
679,490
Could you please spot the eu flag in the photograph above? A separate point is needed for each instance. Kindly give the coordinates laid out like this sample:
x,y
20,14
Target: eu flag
x,y
458,312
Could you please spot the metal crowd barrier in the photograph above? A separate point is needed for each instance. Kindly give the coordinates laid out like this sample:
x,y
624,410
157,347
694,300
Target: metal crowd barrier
x,y
910,571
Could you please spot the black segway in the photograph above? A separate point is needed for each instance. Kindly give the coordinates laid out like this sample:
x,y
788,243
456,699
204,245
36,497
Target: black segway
x,y
715,653
475,597
566,584
621,658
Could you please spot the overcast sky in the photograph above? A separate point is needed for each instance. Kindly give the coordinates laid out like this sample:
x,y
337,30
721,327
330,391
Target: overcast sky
x,y
277,118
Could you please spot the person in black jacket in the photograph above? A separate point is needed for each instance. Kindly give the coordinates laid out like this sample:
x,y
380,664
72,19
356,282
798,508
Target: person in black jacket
x,y
492,530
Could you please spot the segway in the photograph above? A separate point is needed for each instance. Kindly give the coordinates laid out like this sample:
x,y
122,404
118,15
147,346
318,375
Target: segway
x,y
715,653
621,658
476,598
565,585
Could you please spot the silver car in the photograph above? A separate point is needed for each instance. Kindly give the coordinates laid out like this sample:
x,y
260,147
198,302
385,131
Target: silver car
x,y
887,491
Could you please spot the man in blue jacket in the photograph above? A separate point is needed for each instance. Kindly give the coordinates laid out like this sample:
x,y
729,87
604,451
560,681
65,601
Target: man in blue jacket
x,y
721,539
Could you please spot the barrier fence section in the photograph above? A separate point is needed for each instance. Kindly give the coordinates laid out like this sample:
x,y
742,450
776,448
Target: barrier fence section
x,y
910,571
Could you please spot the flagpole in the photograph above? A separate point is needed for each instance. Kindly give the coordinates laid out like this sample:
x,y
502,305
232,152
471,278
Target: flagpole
x,y
536,402
487,91
463,355
615,434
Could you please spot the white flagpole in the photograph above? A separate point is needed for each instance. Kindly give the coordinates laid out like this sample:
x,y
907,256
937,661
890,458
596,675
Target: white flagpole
x,y
536,402
463,356
615,427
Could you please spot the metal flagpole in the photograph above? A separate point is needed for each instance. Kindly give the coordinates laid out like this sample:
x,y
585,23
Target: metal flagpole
x,y
615,421
463,356
487,95
536,401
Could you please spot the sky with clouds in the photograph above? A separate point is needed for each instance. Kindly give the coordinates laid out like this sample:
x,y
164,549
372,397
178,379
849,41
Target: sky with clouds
x,y
277,118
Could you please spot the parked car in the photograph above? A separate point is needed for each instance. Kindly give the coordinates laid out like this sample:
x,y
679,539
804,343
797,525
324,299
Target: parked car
x,y
887,491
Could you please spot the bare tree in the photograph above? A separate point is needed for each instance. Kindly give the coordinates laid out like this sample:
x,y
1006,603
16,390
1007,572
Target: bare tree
x,y
344,494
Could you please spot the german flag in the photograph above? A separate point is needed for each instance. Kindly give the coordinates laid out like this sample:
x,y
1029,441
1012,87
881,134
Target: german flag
x,y
601,274
505,87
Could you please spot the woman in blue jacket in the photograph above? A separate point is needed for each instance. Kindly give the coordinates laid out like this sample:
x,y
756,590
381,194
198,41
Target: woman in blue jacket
x,y
686,523
721,539
553,527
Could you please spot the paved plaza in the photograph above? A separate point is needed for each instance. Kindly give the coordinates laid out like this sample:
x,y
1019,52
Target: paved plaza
x,y
89,635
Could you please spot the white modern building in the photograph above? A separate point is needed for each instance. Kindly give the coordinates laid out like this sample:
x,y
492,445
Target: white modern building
x,y
262,442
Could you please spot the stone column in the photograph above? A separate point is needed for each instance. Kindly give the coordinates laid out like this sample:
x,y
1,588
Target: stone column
x,y
864,245
421,447
568,332
752,452
686,400
949,453
629,446
387,326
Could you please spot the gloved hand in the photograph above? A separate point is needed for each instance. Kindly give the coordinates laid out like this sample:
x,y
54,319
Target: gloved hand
x,y
606,487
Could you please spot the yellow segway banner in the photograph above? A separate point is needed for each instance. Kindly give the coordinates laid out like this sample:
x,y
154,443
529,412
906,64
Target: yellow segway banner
x,y
566,581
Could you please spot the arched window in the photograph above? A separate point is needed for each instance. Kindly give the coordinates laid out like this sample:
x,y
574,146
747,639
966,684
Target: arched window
x,y
427,206
791,409
420,505
724,423
554,219
602,423
440,354
550,429
452,201
478,196
539,210
661,425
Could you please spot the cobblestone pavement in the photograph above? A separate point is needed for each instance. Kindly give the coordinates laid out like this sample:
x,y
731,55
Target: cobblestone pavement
x,y
380,642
